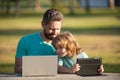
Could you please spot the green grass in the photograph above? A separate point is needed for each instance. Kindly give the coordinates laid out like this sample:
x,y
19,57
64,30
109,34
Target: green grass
x,y
98,35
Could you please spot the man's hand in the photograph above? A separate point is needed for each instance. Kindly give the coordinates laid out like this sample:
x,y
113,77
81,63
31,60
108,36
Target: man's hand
x,y
18,65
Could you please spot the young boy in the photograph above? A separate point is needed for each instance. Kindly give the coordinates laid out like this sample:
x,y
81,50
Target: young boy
x,y
68,51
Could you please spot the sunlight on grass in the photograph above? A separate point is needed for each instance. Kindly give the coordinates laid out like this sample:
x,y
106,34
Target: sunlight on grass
x,y
17,23
91,22
81,22
7,68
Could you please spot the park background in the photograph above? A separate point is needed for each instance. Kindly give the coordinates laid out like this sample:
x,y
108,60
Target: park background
x,y
94,23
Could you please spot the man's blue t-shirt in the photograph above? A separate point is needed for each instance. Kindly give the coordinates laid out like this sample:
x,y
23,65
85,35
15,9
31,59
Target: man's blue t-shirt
x,y
33,45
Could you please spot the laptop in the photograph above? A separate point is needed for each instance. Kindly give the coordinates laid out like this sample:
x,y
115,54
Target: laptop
x,y
89,66
39,65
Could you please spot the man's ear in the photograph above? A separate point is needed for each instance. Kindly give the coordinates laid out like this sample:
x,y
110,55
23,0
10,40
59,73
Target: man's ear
x,y
43,24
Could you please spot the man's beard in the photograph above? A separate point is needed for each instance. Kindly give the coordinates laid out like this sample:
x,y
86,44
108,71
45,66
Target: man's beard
x,y
48,36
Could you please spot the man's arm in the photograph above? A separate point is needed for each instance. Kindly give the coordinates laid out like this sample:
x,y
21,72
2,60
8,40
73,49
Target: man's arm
x,y
18,65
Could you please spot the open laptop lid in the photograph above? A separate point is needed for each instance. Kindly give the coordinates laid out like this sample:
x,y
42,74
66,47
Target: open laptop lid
x,y
89,66
39,65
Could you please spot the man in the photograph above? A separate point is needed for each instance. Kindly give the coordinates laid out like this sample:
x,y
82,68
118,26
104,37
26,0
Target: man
x,y
40,43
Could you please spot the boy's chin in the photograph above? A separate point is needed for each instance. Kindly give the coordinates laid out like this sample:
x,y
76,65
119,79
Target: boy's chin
x,y
61,55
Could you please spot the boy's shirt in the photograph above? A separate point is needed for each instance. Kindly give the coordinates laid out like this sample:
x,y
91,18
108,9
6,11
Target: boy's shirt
x,y
68,61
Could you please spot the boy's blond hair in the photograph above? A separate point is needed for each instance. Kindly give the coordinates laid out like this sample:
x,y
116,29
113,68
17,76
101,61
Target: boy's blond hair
x,y
66,40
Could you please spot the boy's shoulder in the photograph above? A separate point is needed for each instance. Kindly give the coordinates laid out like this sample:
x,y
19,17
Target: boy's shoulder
x,y
82,55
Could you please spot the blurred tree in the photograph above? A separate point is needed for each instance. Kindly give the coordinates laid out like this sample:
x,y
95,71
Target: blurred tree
x,y
87,2
78,4
112,4
57,4
71,7
17,7
2,2
30,3
37,5
5,7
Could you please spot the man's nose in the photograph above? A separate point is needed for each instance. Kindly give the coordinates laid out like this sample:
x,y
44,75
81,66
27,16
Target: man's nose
x,y
55,31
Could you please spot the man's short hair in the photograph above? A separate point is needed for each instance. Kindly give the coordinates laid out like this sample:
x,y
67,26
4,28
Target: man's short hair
x,y
52,15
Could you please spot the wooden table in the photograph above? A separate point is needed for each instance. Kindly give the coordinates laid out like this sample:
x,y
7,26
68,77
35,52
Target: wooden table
x,y
106,76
